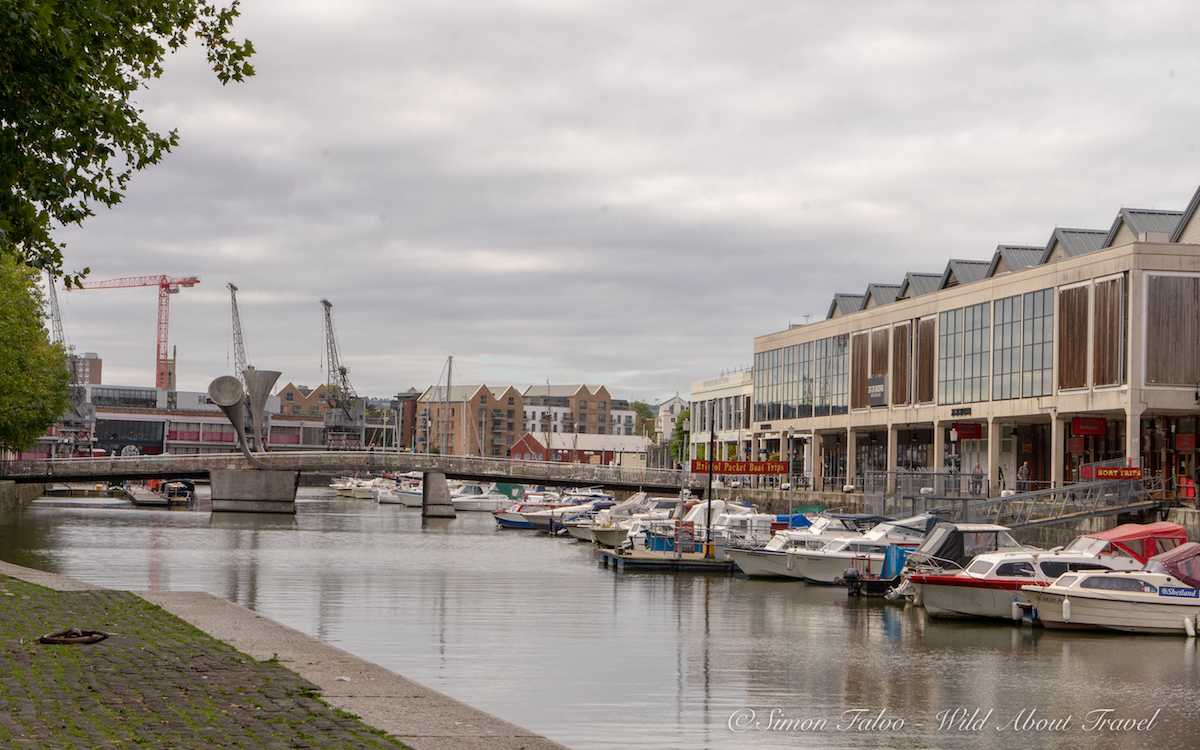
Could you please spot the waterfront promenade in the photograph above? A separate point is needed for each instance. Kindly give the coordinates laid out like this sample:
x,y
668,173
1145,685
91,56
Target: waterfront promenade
x,y
162,680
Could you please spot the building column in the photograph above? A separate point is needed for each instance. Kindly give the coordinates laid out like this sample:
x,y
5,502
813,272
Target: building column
x,y
851,455
818,460
754,457
993,456
1133,435
893,452
939,447
1057,446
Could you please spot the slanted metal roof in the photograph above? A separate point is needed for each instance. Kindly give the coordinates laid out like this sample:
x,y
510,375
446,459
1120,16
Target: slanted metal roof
x,y
1188,213
844,304
880,294
1143,221
1015,257
915,284
964,271
1075,241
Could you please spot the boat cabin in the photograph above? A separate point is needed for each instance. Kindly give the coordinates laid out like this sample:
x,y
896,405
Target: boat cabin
x,y
1140,541
955,544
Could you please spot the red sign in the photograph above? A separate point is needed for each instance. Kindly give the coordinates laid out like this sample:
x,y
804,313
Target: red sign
x,y
700,466
1075,445
1118,472
1085,426
969,430
1185,443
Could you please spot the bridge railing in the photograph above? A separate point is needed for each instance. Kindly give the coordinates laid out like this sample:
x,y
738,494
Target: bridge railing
x,y
533,472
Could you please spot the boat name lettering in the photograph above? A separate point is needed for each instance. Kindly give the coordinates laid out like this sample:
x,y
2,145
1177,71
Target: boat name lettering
x,y
1179,591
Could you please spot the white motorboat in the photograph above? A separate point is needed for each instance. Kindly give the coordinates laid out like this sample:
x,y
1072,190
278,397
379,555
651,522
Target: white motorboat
x,y
343,485
407,493
768,561
864,553
990,585
1164,597
476,497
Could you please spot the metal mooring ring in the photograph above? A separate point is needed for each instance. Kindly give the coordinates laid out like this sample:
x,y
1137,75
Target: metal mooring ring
x,y
73,636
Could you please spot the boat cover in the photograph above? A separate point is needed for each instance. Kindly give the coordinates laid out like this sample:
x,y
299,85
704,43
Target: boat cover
x,y
794,521
893,561
1183,562
1142,541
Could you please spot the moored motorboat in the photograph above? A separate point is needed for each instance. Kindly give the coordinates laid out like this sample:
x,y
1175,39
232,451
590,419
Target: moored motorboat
x,y
1164,597
475,497
991,585
768,561
863,553
513,516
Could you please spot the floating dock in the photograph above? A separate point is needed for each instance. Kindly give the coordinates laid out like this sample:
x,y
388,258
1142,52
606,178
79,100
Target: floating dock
x,y
674,562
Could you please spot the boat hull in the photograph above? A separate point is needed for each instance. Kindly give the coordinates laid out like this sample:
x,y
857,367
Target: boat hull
x,y
1112,614
609,537
759,563
400,497
990,600
825,570
512,521
480,504
581,532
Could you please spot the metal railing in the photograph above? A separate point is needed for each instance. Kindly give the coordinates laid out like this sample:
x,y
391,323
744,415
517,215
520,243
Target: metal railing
x,y
1036,507
350,460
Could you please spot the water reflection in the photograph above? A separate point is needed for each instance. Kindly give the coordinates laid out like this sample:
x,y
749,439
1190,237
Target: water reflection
x,y
534,630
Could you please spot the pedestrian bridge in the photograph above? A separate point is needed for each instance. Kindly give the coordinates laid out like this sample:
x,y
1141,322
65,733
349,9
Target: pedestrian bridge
x,y
473,468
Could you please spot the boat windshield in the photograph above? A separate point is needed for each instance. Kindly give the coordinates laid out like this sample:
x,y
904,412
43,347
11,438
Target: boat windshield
x,y
778,542
1087,545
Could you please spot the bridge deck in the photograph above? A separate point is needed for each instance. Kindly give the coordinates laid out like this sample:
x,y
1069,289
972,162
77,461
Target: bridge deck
x,y
456,467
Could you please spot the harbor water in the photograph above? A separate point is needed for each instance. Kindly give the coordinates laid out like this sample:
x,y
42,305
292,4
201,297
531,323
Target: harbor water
x,y
532,629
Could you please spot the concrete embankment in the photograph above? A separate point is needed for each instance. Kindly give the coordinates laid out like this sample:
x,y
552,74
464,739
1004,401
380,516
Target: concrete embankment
x,y
206,672
13,495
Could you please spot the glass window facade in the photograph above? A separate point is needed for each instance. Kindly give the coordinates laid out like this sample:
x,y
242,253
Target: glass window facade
x,y
950,357
964,336
1023,332
1006,361
802,380
1037,344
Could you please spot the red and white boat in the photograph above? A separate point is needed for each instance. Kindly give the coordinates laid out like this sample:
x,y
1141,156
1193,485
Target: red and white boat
x,y
990,585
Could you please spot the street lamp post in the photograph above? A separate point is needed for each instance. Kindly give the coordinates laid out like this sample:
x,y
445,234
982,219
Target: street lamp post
x,y
712,446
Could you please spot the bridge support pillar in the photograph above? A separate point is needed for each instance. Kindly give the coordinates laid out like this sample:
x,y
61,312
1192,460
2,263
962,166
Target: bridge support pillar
x,y
435,496
253,490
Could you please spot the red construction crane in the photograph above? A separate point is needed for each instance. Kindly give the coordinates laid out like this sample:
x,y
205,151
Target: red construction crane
x,y
166,286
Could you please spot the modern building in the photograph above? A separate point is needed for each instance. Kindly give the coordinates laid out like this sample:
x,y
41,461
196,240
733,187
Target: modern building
x,y
86,368
302,401
721,405
583,409
609,450
469,420
624,418
150,421
1050,357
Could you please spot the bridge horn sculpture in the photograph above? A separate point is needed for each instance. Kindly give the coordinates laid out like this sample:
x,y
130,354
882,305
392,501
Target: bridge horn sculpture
x,y
253,490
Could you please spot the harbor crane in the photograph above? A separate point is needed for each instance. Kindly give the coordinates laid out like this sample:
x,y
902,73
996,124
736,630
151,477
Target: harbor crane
x,y
56,324
167,285
239,346
345,420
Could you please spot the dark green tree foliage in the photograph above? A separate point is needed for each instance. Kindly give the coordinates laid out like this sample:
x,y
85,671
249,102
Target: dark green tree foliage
x,y
70,134
681,437
33,372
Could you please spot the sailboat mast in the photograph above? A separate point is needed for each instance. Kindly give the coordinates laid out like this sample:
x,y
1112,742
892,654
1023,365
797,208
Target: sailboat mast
x,y
446,405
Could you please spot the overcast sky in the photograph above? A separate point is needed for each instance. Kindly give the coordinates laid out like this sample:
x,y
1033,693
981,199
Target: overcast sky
x,y
619,193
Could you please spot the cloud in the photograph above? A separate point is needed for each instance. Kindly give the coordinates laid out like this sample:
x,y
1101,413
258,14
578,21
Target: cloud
x,y
617,192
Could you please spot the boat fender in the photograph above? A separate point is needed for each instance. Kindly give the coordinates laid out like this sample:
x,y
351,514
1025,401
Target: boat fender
x,y
1189,626
1016,611
1066,610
